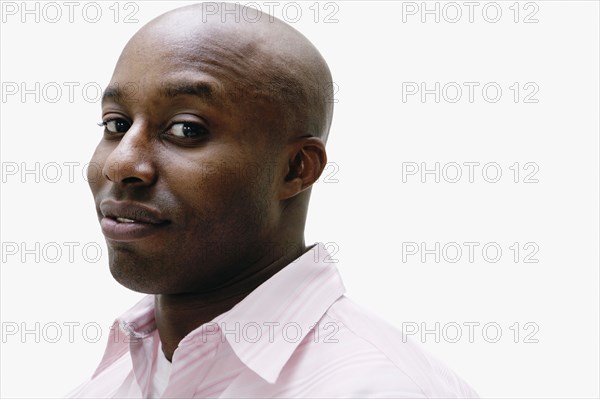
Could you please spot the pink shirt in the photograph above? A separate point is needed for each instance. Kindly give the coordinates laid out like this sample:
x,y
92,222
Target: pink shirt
x,y
296,335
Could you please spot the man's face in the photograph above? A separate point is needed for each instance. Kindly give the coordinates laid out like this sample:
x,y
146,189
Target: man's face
x,y
191,166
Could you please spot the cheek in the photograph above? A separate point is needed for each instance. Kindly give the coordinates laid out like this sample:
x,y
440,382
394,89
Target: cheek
x,y
228,196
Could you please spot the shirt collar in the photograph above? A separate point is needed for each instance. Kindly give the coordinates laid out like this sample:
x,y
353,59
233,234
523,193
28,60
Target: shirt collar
x,y
283,309
128,329
265,327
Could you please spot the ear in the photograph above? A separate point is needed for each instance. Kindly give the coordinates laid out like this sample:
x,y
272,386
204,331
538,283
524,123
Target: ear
x,y
306,160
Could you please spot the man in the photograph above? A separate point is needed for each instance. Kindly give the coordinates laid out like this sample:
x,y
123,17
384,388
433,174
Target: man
x,y
215,131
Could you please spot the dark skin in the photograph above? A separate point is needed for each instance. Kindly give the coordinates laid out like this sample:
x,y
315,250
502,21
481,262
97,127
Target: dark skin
x,y
229,173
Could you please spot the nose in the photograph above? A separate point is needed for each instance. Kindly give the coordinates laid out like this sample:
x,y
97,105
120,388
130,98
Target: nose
x,y
131,161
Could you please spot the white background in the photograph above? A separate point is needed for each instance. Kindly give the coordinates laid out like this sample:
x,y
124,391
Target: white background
x,y
371,210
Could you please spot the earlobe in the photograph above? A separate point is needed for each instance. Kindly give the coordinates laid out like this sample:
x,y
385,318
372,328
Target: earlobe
x,y
304,167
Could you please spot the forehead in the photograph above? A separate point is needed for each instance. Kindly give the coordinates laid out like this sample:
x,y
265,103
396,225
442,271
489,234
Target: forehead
x,y
207,64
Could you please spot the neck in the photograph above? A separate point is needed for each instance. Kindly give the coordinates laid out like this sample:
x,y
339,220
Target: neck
x,y
178,314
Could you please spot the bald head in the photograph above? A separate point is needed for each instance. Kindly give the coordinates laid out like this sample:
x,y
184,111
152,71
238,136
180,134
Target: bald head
x,y
253,58
217,127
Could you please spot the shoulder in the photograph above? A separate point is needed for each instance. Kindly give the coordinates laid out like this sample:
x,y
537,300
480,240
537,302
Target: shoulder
x,y
359,354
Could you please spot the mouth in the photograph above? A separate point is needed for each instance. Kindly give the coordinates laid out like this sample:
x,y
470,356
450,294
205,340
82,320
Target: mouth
x,y
130,221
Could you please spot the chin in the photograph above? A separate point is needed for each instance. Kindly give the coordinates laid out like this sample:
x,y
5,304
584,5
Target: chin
x,y
136,274
134,281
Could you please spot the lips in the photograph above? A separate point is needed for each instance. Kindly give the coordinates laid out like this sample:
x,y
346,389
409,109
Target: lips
x,y
129,221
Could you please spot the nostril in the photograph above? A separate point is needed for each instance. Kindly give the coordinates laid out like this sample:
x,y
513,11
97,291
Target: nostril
x,y
131,180
131,172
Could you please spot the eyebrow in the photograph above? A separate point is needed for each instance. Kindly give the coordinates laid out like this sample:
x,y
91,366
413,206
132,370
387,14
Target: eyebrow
x,y
199,89
122,94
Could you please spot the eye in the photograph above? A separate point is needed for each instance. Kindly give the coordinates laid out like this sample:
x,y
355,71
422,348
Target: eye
x,y
187,129
116,125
